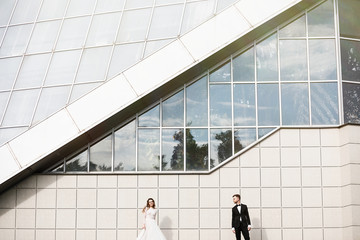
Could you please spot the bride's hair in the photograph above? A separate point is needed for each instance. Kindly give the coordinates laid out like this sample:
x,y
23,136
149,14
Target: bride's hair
x,y
148,205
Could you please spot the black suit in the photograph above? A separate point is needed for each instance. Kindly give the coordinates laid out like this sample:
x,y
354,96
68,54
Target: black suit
x,y
241,226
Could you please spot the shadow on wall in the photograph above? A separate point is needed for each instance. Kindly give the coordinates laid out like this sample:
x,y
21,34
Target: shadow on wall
x,y
166,223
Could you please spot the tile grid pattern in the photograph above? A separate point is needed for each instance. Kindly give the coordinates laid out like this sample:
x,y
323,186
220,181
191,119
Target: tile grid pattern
x,y
260,175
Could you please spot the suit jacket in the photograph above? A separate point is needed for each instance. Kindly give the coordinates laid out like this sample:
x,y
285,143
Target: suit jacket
x,y
245,218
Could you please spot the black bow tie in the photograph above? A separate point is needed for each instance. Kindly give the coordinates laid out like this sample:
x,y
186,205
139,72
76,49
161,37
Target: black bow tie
x,y
238,205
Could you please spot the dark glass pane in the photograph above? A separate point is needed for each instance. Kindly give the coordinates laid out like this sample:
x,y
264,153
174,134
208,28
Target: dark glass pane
x,y
101,155
243,66
197,149
266,59
243,137
125,148
151,118
349,18
293,63
351,94
220,105
321,20
173,150
350,60
295,104
244,105
78,163
322,59
324,104
220,146
173,111
222,74
268,104
149,150
58,169
264,131
294,29
197,103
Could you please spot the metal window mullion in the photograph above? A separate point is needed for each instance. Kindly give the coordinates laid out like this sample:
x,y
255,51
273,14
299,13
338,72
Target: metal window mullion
x,y
341,112
308,66
88,157
256,93
160,131
112,150
208,109
184,129
136,141
279,74
232,105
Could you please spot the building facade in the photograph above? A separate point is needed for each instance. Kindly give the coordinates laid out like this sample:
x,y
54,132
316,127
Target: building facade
x,y
189,102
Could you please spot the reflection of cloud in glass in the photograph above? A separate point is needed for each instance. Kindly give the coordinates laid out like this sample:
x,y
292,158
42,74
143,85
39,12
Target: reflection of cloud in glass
x,y
268,105
173,149
322,59
295,104
149,150
294,29
220,105
244,104
244,137
222,74
324,103
293,60
266,59
321,20
77,163
125,148
151,118
196,103
243,66
173,110
101,155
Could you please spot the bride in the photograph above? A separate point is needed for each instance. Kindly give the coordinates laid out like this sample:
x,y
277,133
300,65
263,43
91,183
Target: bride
x,y
150,231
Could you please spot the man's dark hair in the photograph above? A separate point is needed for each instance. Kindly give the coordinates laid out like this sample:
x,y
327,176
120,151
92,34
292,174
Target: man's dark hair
x,y
237,195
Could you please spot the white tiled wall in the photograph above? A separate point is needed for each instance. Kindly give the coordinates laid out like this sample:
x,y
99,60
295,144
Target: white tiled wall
x,y
298,184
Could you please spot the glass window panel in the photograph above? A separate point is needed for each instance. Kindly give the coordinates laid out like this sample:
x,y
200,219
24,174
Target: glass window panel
x,y
4,97
173,111
350,60
73,33
78,163
52,9
153,46
51,100
348,18
101,155
293,63
7,134
222,74
63,67
197,103
44,36
21,107
80,7
220,146
264,131
268,104
25,11
129,31
58,169
109,5
197,150
151,118
32,71
321,20
295,104
103,29
351,93
220,105
125,148
15,40
196,13
139,3
243,67
266,59
324,104
124,56
149,150
93,64
166,21
222,4
294,29
243,137
81,89
6,7
173,150
322,59
244,105
2,33
8,71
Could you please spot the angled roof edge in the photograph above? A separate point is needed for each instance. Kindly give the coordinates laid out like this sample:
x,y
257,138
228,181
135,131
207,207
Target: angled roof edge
x,y
213,39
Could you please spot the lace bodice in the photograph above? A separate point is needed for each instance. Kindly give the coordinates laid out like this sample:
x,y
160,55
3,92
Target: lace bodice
x,y
151,213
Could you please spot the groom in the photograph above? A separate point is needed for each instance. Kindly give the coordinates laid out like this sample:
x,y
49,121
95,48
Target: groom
x,y
240,219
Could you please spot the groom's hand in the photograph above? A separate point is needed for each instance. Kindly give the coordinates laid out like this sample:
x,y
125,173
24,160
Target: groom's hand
x,y
233,230
249,228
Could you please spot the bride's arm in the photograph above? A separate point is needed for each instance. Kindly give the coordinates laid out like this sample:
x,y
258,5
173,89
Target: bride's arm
x,y
144,225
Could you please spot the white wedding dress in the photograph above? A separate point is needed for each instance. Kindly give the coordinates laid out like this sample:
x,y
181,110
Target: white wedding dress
x,y
152,230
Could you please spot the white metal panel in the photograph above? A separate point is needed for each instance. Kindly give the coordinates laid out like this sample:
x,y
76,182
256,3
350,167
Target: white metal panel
x,y
159,67
215,33
8,163
259,11
44,138
101,102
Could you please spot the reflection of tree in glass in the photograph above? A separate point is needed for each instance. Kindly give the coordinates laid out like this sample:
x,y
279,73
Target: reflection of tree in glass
x,y
237,144
177,158
99,168
196,156
351,103
163,163
74,165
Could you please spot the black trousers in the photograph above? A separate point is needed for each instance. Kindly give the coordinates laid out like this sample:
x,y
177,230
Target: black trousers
x,y
242,229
